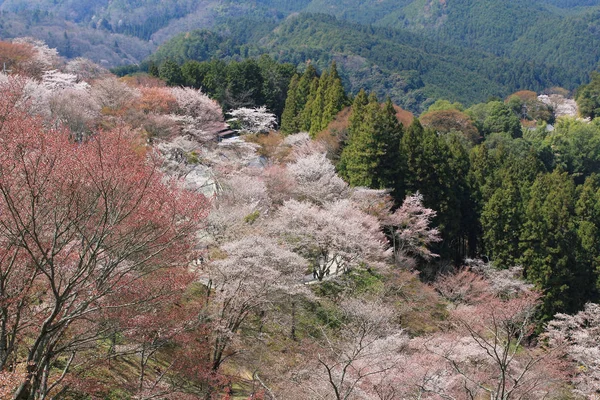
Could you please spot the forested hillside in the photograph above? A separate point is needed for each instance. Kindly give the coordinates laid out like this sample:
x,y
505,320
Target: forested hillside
x,y
502,46
411,69
303,200
146,254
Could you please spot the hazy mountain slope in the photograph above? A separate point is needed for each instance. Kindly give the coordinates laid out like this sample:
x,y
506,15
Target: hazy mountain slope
x,y
552,46
413,70
558,32
445,70
541,31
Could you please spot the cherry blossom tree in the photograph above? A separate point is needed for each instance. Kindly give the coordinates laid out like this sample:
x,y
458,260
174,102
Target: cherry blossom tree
x,y
488,351
44,58
241,200
315,179
302,145
366,349
55,80
253,120
16,57
464,287
505,283
85,69
334,238
112,94
196,104
579,336
80,223
376,202
171,325
253,271
410,228
25,93
158,100
75,109
279,183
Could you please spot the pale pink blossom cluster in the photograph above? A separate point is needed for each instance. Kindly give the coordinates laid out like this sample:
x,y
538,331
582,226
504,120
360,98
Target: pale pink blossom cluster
x,y
253,120
579,336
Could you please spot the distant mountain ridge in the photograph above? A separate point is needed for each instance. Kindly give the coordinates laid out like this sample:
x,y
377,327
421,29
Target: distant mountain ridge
x,y
414,50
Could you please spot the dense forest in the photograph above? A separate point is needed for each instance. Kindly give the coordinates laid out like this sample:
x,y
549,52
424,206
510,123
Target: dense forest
x,y
412,70
415,51
336,247
299,200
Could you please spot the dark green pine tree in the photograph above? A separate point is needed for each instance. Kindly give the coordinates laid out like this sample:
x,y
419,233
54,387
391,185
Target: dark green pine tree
x,y
358,110
390,171
588,97
305,117
244,84
361,158
465,219
289,118
550,244
153,69
276,81
170,72
358,107
502,221
335,96
317,105
413,153
587,210
303,93
429,171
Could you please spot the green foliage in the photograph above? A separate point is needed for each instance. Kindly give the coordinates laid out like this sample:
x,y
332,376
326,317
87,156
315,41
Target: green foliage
x,y
170,72
549,243
441,105
439,168
501,219
313,101
289,118
322,314
335,96
371,157
413,50
411,69
252,217
192,158
390,168
247,83
588,97
576,146
495,117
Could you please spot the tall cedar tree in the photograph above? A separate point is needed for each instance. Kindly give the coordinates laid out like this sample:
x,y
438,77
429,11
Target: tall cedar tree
x,y
313,102
361,158
466,217
170,72
588,97
317,105
501,220
587,210
390,171
335,96
372,156
302,94
431,170
360,102
306,114
549,244
289,122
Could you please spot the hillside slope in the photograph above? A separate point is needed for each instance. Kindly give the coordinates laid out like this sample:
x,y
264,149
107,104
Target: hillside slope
x,y
413,70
